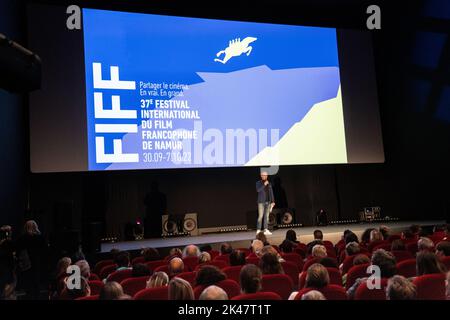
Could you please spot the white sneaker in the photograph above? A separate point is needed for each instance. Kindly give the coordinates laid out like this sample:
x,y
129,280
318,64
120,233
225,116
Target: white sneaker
x,y
267,232
258,231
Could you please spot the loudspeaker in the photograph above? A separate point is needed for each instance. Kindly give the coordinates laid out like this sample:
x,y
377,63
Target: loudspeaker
x,y
285,215
169,224
173,224
190,224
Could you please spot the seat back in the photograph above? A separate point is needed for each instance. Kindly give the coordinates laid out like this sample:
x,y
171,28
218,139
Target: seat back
x,y
213,254
107,270
356,272
96,286
258,296
309,263
364,293
292,271
188,276
331,292
412,247
190,263
446,262
233,272
231,287
295,258
152,265
101,264
335,276
120,275
402,255
407,268
159,293
131,286
164,268
430,286
93,277
139,259
252,260
223,257
281,284
217,263
91,297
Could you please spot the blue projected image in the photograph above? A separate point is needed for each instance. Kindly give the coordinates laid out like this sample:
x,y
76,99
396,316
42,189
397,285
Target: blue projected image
x,y
175,92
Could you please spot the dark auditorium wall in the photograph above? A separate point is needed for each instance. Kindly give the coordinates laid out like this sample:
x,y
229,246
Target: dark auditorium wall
x,y
13,163
412,184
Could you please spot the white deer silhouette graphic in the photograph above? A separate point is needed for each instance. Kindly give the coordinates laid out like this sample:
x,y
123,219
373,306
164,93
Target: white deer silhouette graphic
x,y
235,48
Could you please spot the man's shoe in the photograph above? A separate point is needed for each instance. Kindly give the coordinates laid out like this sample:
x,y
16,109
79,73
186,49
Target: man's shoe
x,y
267,232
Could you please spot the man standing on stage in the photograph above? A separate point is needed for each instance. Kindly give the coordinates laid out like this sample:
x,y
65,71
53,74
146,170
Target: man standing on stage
x,y
265,202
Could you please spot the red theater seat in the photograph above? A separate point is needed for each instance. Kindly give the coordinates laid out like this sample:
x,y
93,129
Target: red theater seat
x,y
386,246
188,276
446,262
309,263
301,251
252,260
96,286
430,286
93,277
223,257
92,297
356,272
231,287
328,244
213,254
101,264
119,276
407,268
107,270
233,272
164,268
412,247
190,263
152,265
402,255
372,245
393,237
295,258
331,292
258,296
131,286
281,284
138,260
364,293
217,263
160,293
292,271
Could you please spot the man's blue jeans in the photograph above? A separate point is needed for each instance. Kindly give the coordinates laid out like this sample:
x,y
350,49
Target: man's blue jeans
x,y
263,215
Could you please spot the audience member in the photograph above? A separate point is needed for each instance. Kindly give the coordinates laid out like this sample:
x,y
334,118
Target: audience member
x,y
250,279
158,279
270,264
443,249
191,251
226,248
150,254
313,295
428,263
204,257
400,288
213,293
208,275
425,244
237,258
111,291
140,270
176,266
180,289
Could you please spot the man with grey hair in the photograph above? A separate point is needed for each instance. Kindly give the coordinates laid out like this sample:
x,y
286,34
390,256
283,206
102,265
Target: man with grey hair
x,y
313,295
213,293
257,246
425,244
191,251
176,266
319,251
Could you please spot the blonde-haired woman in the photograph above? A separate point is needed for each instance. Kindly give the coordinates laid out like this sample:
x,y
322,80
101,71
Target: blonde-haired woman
x,y
158,279
180,289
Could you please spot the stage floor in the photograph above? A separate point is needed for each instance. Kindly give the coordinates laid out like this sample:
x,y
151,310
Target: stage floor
x,y
332,233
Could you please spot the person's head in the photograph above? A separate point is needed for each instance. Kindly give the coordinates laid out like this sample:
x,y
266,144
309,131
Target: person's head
x,y
257,246
83,291
415,229
328,262
213,293
425,244
400,288
264,175
180,289
226,248
318,235
443,249
291,235
140,270
62,265
208,275
352,248
428,263
407,235
85,269
114,252
319,251
398,245
313,295
262,237
385,261
122,259
191,251
5,232
385,231
31,228
175,252
250,279
237,258
351,237
287,246
158,279
176,266
205,247
150,254
375,235
365,236
317,276
360,259
111,291
270,264
204,257
269,249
